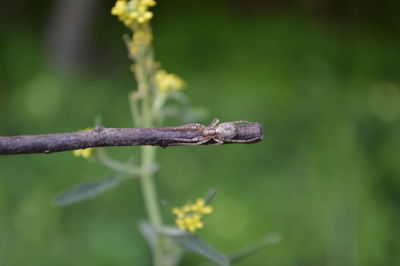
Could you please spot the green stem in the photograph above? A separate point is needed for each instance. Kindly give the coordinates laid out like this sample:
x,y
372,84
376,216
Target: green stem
x,y
151,200
143,76
148,186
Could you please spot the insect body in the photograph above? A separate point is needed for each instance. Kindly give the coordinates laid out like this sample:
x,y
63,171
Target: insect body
x,y
219,134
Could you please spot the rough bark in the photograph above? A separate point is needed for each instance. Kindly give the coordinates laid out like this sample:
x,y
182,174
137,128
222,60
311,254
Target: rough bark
x,y
102,137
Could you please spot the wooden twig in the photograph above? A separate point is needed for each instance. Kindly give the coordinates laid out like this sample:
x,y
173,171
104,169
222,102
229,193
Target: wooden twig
x,y
101,137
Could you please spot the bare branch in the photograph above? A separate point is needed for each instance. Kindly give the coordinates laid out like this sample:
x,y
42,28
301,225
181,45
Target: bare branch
x,y
102,137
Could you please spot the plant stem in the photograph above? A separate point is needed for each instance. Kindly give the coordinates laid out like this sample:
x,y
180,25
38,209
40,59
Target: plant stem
x,y
145,62
151,200
149,187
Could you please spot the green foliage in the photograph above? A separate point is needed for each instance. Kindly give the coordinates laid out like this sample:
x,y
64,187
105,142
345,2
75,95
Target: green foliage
x,y
86,190
255,247
189,242
195,244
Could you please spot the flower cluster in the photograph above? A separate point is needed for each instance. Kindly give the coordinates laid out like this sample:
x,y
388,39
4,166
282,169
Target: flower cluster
x,y
168,82
139,38
85,153
189,217
133,12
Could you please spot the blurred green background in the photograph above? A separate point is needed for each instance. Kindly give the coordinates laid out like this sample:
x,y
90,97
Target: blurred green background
x,y
322,76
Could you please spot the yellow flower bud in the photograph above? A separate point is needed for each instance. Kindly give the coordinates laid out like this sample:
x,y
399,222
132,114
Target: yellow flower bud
x,y
84,153
189,217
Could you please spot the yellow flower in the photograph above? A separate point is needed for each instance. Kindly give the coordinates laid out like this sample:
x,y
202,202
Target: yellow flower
x,y
119,8
85,153
133,12
140,38
189,217
168,82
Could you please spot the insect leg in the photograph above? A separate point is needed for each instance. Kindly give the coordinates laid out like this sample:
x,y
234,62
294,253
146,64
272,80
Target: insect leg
x,y
218,141
243,122
214,123
188,143
196,139
241,140
193,126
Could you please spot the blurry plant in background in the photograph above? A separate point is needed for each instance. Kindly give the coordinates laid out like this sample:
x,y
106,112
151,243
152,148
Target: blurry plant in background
x,y
322,76
155,86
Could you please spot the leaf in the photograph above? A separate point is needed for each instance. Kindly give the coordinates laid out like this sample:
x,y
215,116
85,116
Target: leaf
x,y
184,240
85,191
148,233
210,195
173,253
171,231
244,253
193,243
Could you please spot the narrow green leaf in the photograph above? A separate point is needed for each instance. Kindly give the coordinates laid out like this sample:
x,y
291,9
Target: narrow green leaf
x,y
210,195
246,252
195,244
149,234
85,191
171,231
173,252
